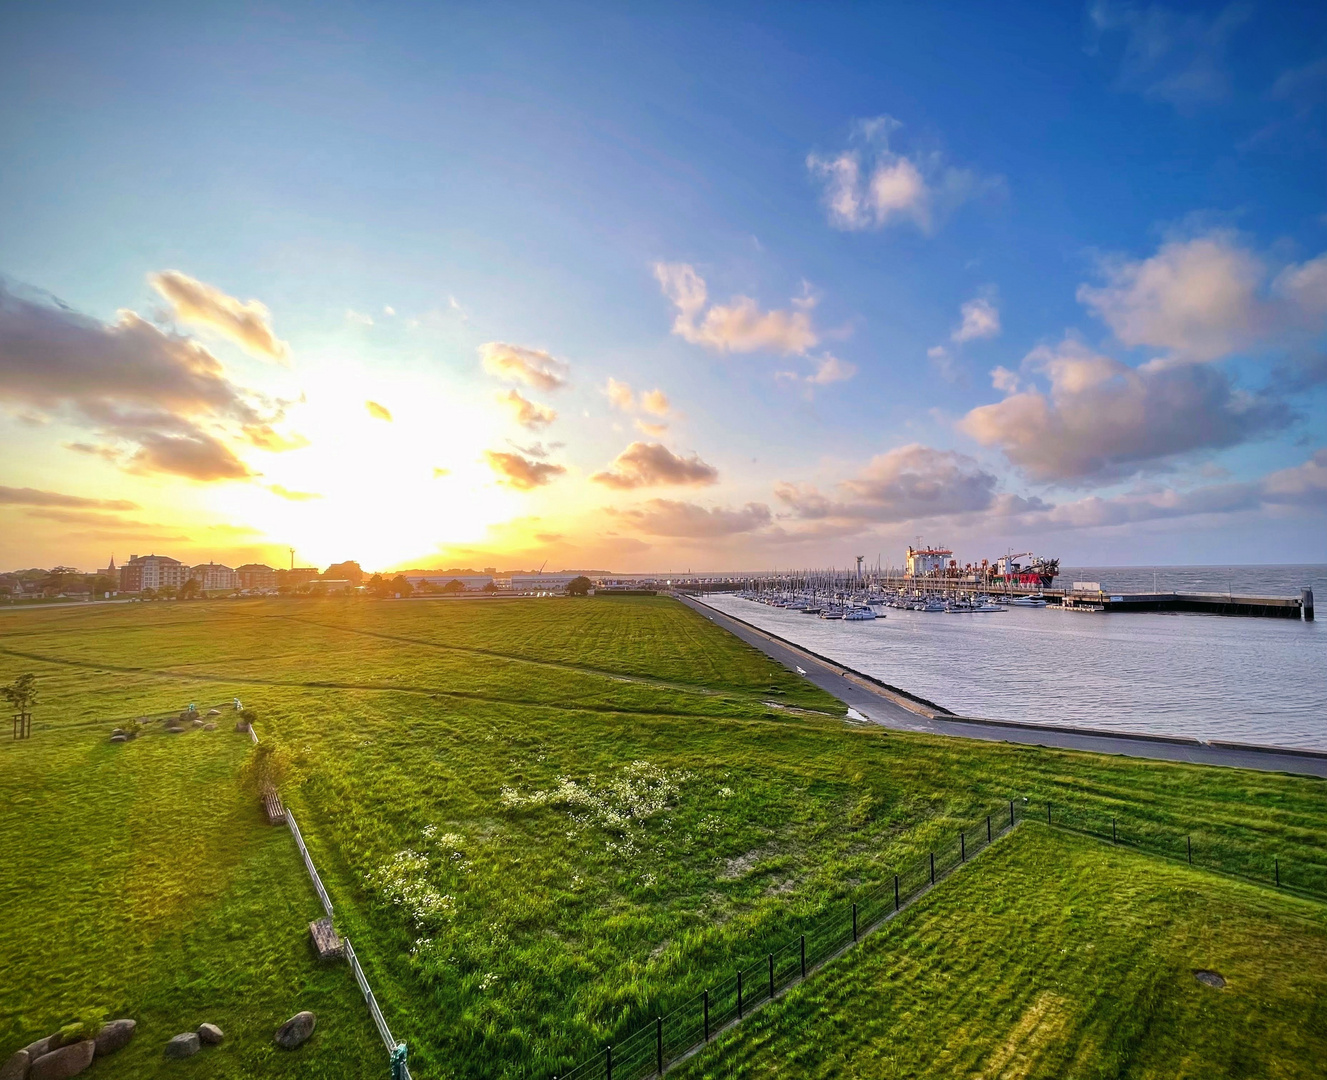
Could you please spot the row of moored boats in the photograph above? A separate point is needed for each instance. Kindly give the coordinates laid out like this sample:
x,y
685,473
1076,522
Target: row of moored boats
x,y
862,608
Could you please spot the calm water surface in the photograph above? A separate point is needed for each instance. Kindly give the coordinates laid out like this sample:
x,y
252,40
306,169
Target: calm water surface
x,y
1210,677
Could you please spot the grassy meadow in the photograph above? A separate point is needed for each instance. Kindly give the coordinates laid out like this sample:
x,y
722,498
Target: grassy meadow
x,y
541,821
1058,957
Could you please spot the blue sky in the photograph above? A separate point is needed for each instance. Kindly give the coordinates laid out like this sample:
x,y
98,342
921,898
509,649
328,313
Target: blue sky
x,y
1119,210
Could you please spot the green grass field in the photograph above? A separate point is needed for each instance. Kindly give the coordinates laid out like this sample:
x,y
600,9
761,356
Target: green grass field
x,y
1055,956
541,821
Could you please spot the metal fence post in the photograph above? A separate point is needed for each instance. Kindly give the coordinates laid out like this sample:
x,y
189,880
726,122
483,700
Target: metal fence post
x,y
608,1061
896,892
962,847
988,828
658,1042
739,995
705,997
1048,813
1276,865
1188,843
1114,836
933,868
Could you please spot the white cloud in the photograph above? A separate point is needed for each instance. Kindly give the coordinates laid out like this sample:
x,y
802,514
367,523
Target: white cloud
x,y
882,187
359,317
1172,57
528,414
620,395
981,319
652,465
515,363
738,326
684,520
1103,420
247,324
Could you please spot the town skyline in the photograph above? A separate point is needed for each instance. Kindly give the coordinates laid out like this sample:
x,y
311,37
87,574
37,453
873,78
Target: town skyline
x,y
733,290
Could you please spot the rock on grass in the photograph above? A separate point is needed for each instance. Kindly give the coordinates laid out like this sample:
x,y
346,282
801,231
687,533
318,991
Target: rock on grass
x,y
296,1030
115,1036
63,1063
183,1045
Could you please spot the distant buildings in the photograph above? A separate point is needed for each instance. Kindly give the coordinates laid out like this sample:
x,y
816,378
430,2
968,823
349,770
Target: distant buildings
x,y
155,572
298,575
213,577
256,576
442,578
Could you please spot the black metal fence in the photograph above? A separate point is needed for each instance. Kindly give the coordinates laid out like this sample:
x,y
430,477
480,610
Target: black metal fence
x,y
1225,850
648,1050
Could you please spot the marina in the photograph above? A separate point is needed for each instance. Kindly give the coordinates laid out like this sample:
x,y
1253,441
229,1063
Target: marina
x,y
1162,672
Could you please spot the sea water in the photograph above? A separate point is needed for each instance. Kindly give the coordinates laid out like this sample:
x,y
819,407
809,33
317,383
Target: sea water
x,y
1251,680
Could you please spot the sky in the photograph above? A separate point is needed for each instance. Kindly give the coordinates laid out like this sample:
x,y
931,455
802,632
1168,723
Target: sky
x,y
662,286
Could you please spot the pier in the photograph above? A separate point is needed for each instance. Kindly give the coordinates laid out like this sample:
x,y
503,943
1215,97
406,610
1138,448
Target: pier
x,y
1086,597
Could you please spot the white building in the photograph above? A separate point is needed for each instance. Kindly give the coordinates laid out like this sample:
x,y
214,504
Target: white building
x,y
213,577
543,582
928,562
155,572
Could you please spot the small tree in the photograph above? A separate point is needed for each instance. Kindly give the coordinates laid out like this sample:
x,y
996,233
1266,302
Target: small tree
x,y
22,695
579,586
401,585
190,589
269,766
453,587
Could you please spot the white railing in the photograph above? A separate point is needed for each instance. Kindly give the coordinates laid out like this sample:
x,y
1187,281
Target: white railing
x,y
308,863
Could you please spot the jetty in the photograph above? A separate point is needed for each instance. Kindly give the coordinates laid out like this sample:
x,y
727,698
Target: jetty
x,y
1267,607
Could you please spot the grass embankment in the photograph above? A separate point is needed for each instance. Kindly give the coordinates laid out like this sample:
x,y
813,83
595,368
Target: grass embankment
x,y
1057,956
543,821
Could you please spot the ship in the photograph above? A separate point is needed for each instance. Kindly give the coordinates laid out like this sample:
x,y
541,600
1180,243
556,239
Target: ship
x,y
1022,570
1036,572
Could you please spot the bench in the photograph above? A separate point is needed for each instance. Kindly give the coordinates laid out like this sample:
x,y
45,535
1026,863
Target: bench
x,y
276,813
326,940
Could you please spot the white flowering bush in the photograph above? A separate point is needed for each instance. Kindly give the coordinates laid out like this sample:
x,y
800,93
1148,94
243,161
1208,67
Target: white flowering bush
x,y
404,882
637,793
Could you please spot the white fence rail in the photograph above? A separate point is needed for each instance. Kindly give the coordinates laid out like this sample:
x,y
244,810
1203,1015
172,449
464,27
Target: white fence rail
x,y
308,863
379,1021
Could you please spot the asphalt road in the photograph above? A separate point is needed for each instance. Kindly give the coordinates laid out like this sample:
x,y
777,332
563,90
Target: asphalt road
x,y
894,710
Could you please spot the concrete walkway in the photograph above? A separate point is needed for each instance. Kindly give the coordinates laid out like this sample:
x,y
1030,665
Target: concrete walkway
x,y
894,708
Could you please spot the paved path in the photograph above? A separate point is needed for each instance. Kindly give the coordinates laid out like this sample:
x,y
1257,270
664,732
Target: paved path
x,y
895,709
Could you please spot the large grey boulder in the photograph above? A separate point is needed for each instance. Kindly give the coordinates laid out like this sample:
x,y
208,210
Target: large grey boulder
x,y
16,1066
296,1030
183,1045
63,1063
114,1036
210,1034
43,1046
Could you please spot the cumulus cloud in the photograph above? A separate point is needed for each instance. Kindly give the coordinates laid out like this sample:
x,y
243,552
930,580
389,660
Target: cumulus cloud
x,y
157,401
653,465
533,367
667,517
1172,57
739,326
829,369
980,319
1102,419
909,483
527,413
520,472
1199,298
879,187
247,324
653,402
378,412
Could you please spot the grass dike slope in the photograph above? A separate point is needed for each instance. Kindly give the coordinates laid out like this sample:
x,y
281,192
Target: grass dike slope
x,y
542,821
1056,956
